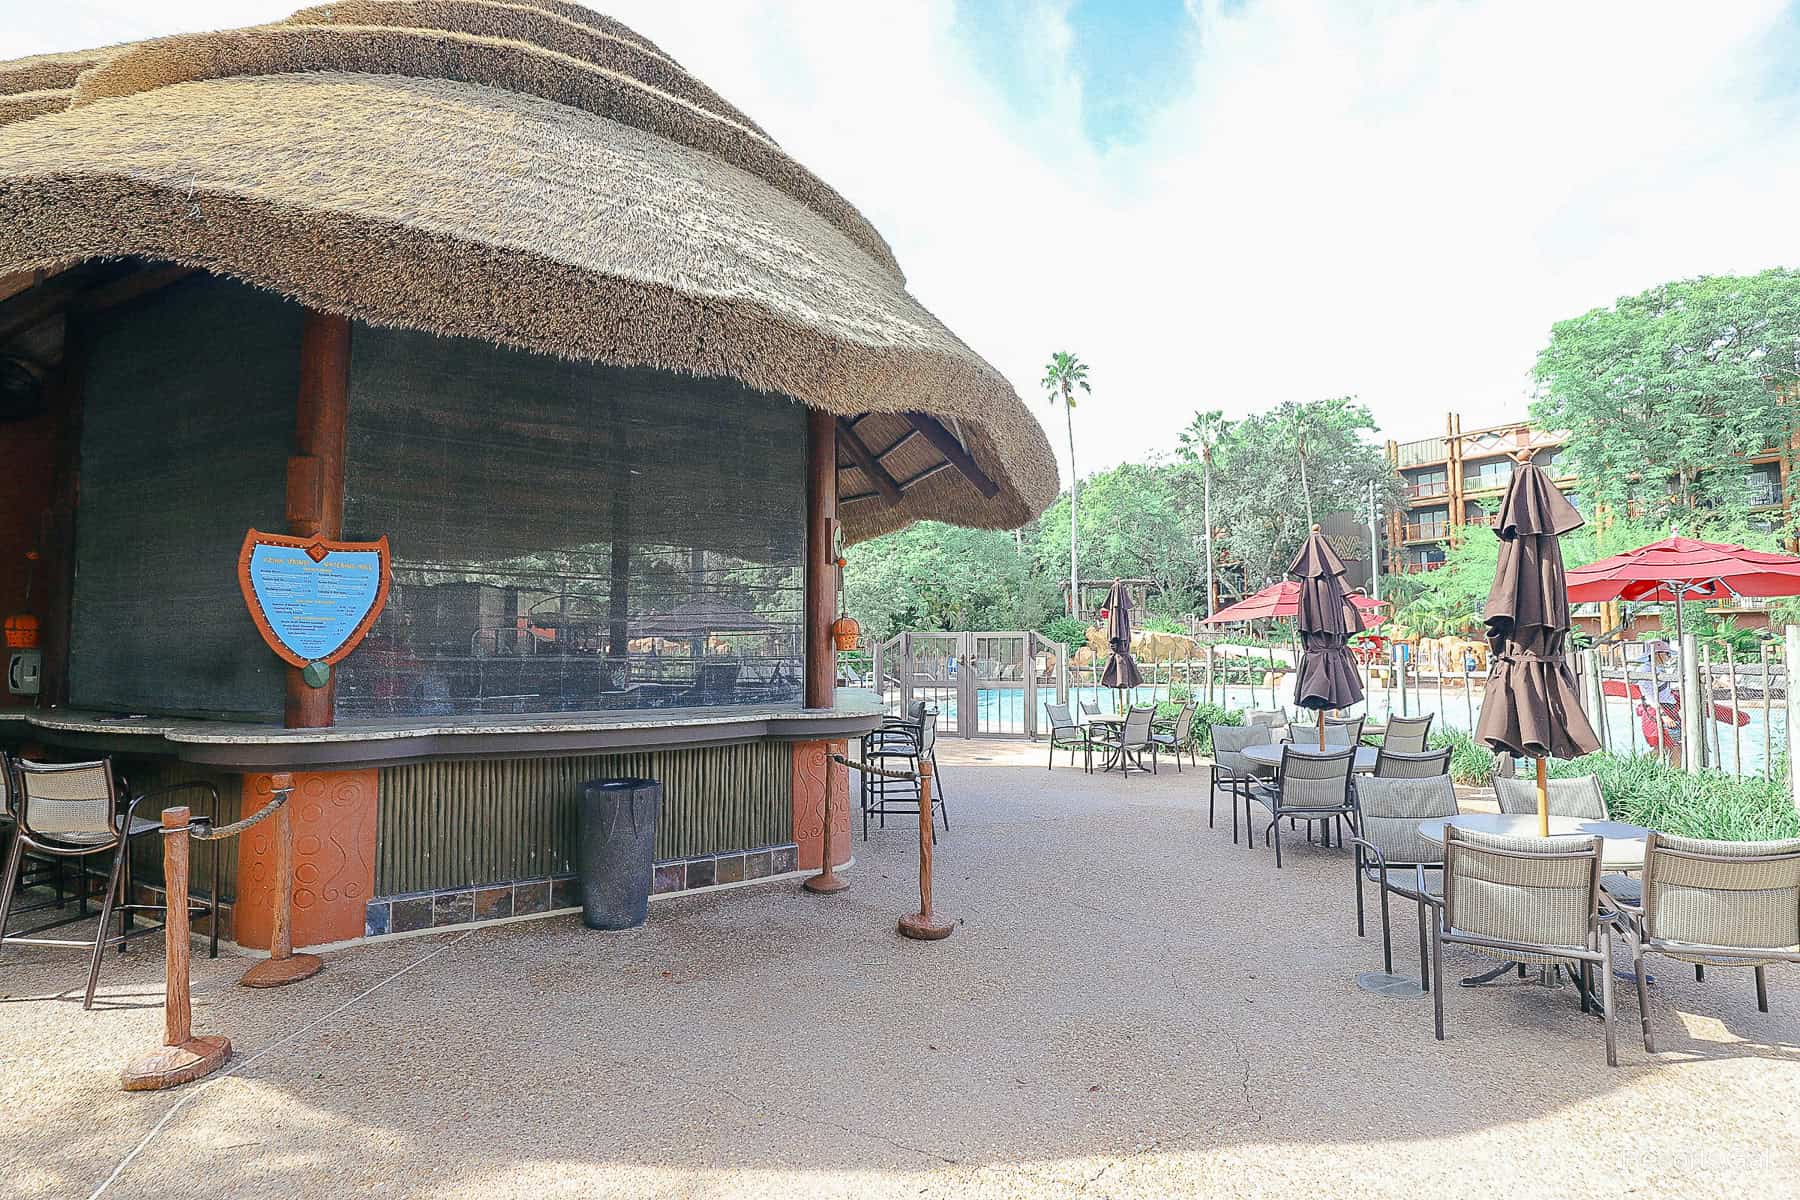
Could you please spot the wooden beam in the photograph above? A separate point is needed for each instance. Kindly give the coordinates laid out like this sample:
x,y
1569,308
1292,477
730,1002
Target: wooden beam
x,y
821,567
874,471
131,287
954,452
316,475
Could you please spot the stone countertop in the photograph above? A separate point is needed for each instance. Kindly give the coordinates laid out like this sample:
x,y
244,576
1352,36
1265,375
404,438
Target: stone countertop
x,y
378,742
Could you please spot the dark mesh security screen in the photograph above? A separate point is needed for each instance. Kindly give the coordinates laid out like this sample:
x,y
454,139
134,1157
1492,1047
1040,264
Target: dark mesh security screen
x,y
569,537
187,420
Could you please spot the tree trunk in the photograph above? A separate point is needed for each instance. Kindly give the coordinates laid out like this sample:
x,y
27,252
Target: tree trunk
x,y
1306,490
1074,490
1206,517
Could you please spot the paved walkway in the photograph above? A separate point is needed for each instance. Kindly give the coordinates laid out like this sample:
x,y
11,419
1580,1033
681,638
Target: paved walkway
x,y
1132,1006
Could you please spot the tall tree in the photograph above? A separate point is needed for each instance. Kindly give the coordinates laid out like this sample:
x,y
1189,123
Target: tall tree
x,y
1664,394
1198,442
1064,373
1324,446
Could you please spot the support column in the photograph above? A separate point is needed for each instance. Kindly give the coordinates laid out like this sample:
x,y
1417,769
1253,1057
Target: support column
x,y
333,816
821,568
315,478
58,563
813,771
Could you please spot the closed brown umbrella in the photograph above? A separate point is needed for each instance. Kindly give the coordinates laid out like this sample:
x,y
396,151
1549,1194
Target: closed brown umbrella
x,y
1326,620
1121,669
1531,707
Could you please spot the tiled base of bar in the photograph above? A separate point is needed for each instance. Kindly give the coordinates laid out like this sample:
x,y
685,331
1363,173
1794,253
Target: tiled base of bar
x,y
500,901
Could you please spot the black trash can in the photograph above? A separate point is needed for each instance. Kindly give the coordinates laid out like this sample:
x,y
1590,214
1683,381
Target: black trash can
x,y
616,850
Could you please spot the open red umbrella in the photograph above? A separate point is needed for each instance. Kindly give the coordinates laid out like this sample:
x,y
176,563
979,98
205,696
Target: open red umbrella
x,y
1281,601
1677,570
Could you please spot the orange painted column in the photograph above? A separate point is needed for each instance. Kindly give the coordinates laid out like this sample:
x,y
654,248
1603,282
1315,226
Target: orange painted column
x,y
334,859
812,767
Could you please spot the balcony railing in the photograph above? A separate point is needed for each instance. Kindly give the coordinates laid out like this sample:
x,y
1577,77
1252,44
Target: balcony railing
x,y
1484,481
1423,491
1431,531
1418,568
1762,491
1485,520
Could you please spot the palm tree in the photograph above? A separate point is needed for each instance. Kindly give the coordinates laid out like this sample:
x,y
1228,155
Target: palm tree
x,y
1062,376
1201,438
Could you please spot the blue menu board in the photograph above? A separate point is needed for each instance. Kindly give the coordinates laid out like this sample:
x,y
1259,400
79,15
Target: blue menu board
x,y
314,600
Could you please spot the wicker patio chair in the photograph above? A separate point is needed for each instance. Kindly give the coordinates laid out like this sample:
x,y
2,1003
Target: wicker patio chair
x,y
1342,731
1525,899
1406,735
1235,773
1067,734
1175,740
1272,718
1716,904
1422,764
1577,796
1135,739
1310,787
1391,854
74,810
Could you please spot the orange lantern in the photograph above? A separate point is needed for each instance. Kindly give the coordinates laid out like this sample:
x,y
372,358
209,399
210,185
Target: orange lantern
x,y
845,631
21,632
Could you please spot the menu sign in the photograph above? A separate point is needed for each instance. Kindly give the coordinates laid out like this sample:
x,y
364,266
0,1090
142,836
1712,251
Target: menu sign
x,y
312,598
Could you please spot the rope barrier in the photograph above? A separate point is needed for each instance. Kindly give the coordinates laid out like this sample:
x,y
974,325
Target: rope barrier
x,y
202,830
871,769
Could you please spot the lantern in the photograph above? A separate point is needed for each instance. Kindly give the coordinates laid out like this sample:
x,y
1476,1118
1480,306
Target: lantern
x,y
845,632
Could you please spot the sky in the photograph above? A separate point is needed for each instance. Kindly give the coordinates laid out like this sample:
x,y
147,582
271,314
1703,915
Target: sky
x,y
1233,204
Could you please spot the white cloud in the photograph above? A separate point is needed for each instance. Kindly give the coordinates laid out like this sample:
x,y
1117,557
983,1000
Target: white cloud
x,y
1394,201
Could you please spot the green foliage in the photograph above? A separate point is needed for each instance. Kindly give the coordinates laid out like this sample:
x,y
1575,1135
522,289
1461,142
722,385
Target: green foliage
x,y
1067,630
1471,763
1645,790
1666,393
1205,717
932,576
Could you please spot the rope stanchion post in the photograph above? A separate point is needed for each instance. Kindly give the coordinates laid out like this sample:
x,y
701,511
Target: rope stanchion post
x,y
925,925
283,966
828,882
182,1057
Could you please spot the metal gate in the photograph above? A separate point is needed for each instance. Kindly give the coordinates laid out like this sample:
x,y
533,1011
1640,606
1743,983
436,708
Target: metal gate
x,y
988,684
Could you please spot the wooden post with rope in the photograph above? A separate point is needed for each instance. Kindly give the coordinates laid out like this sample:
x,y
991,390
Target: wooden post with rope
x,y
828,882
925,925
182,1057
283,966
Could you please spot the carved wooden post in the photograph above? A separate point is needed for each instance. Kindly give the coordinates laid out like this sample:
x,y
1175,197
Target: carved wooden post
x,y
828,881
282,966
821,567
182,1056
315,478
925,925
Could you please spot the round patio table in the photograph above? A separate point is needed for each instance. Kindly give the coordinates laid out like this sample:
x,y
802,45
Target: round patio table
x,y
1114,722
1270,756
1622,849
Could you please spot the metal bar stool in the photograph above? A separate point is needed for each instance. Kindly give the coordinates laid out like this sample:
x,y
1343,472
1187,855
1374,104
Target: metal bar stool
x,y
74,811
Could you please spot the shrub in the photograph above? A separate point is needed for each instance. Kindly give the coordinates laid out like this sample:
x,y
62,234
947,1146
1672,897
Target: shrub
x,y
1205,717
1647,791
1067,630
1471,763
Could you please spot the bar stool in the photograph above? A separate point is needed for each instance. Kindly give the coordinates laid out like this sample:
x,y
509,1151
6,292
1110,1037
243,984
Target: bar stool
x,y
74,811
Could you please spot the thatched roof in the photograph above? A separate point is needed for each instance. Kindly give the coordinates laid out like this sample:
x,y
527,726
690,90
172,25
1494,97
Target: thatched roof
x,y
530,173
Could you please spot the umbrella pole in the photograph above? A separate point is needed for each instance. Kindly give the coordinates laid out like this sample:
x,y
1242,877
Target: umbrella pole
x,y
1321,731
1543,799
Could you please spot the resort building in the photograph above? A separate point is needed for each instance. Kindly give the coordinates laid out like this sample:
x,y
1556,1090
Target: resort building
x,y
1457,480
505,290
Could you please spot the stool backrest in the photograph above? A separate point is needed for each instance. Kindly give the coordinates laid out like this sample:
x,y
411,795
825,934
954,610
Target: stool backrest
x,y
68,801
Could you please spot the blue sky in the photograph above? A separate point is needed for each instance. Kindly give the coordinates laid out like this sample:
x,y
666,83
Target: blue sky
x,y
1231,203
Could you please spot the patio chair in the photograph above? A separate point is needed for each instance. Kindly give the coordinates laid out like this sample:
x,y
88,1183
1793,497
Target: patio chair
x,y
1067,734
1716,904
73,811
1406,735
1525,899
898,748
1424,764
1392,855
1234,772
1089,708
1135,739
1271,718
1175,739
1310,787
1341,731
36,868
1577,796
